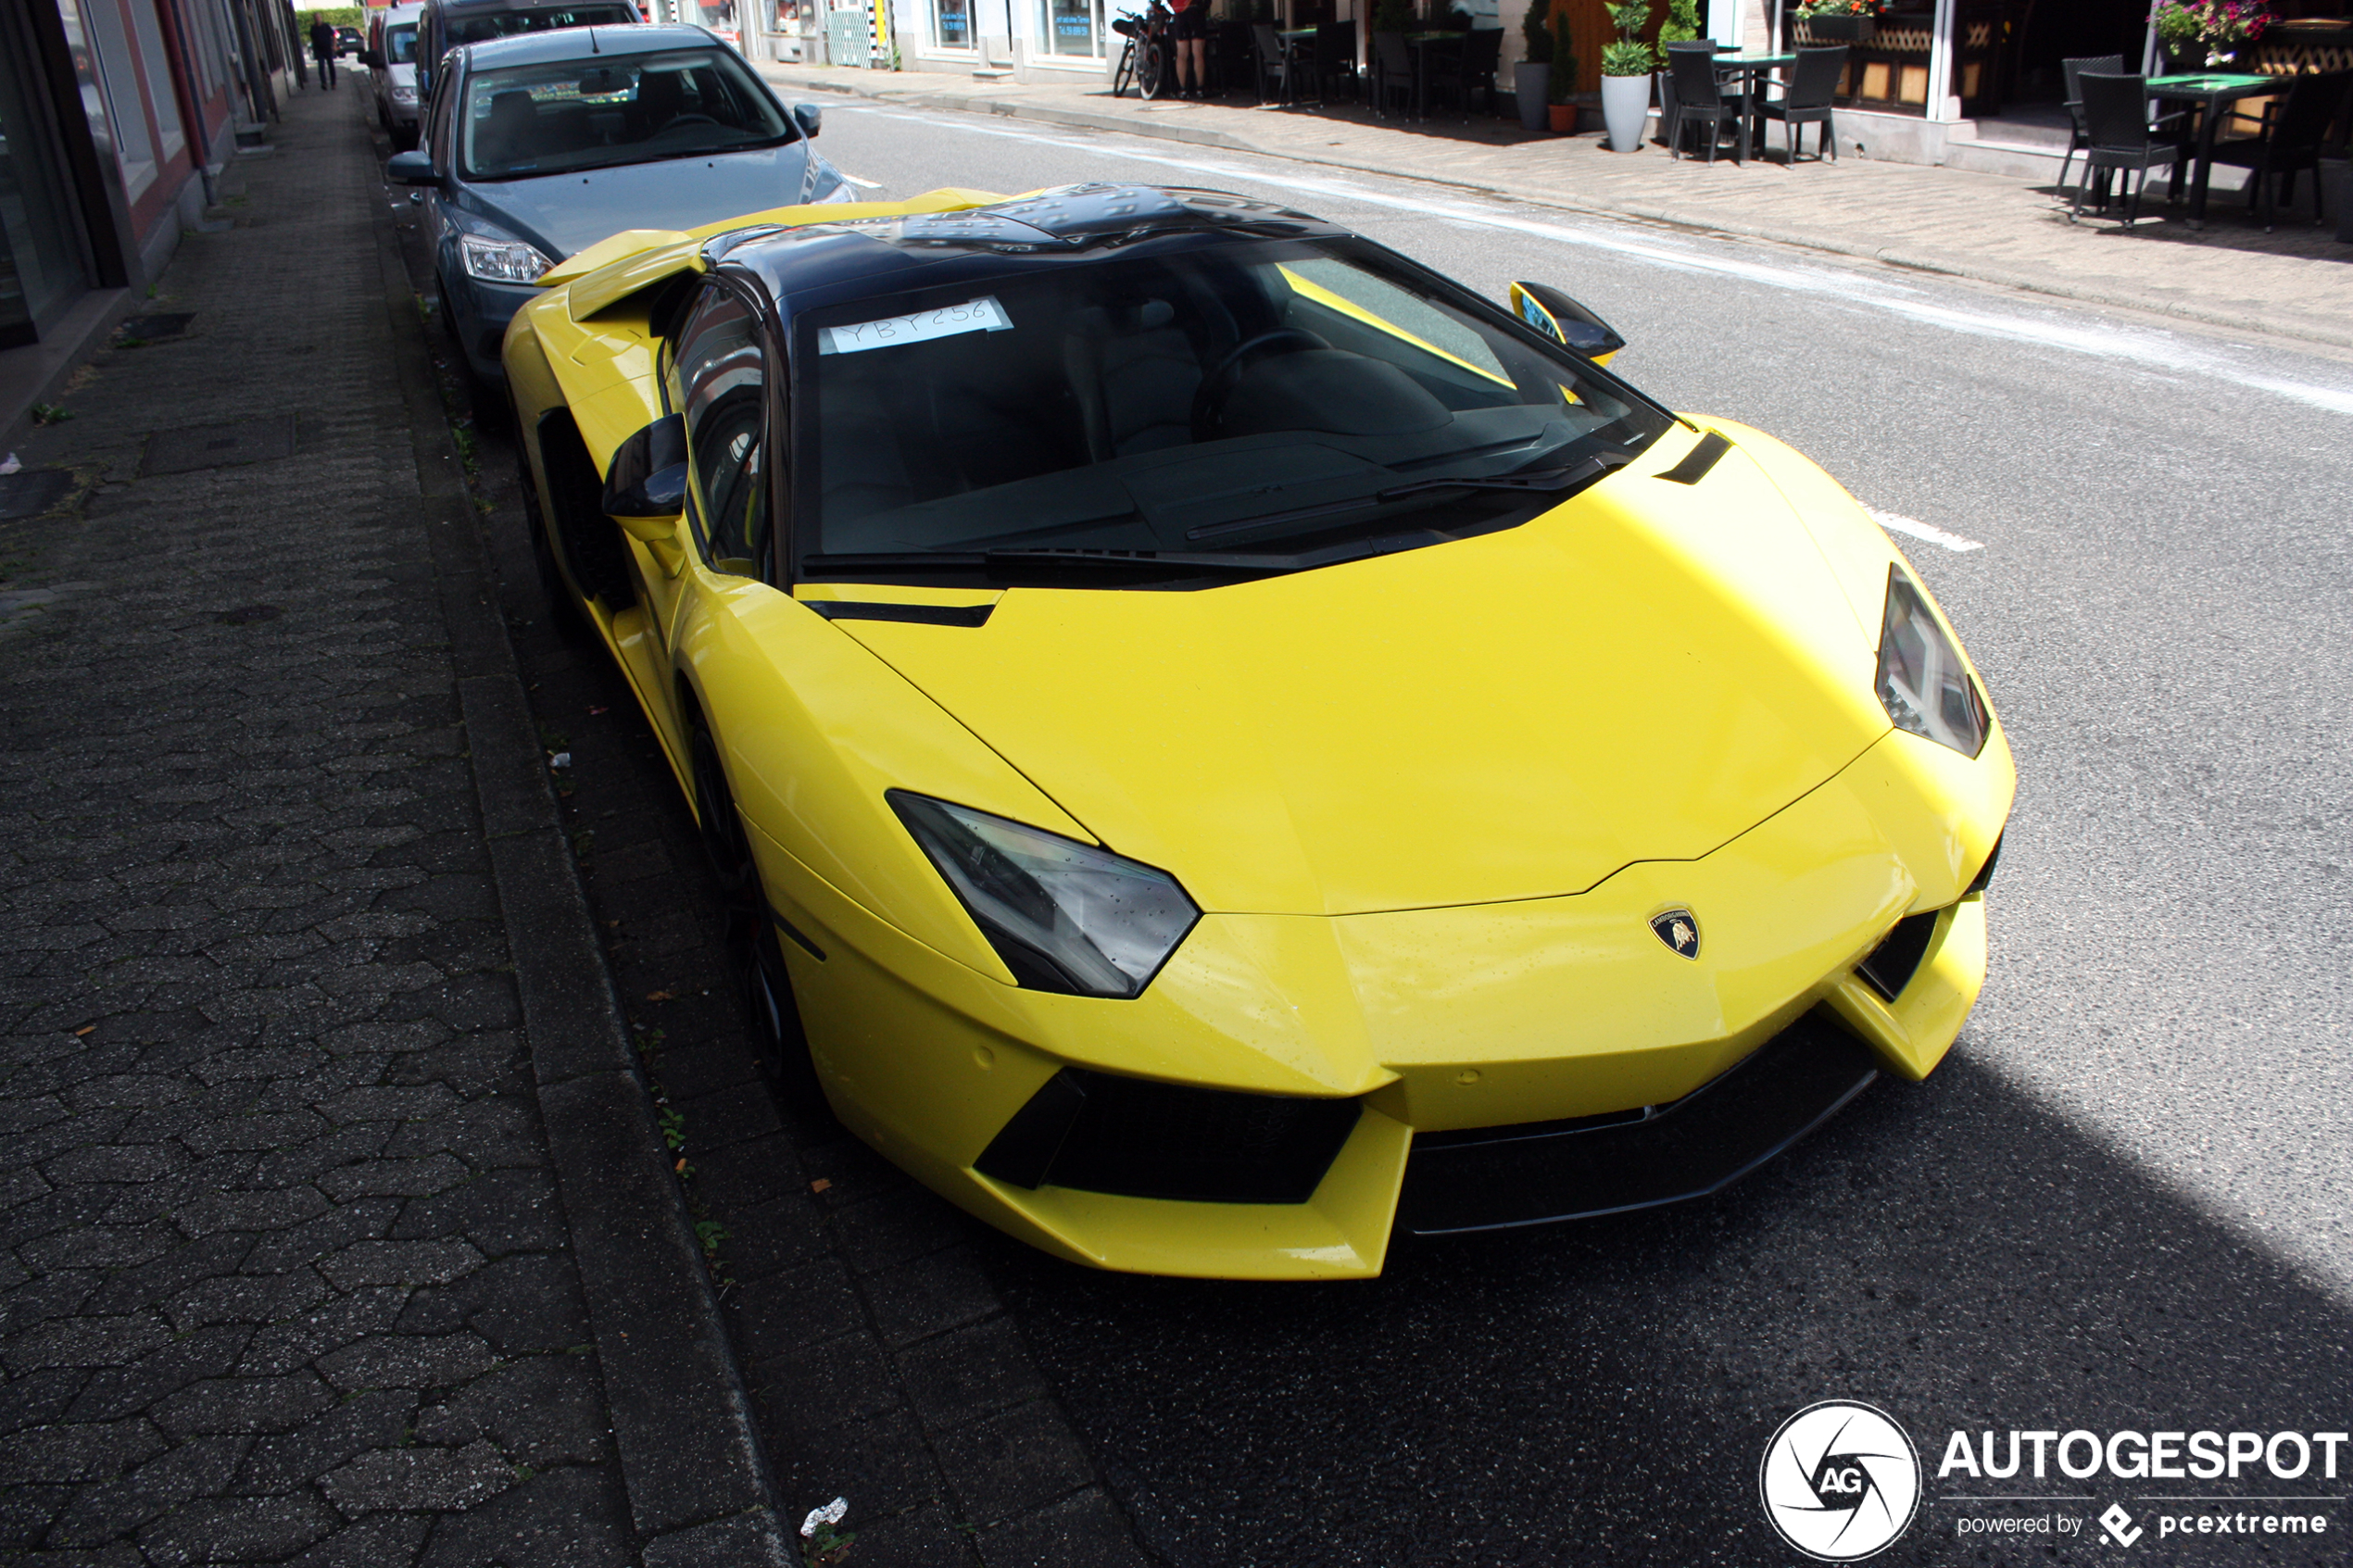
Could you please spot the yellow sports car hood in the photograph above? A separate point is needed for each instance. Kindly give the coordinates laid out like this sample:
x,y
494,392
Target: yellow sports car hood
x,y
1641,675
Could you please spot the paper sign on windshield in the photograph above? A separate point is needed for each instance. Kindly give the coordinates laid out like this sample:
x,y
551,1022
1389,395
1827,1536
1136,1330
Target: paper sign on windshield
x,y
982,315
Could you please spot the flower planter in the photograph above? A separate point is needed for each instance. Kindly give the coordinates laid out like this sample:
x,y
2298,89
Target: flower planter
x,y
1840,30
1625,104
1562,117
1531,83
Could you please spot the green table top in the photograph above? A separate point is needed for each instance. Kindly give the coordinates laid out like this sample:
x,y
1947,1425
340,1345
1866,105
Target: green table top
x,y
1753,60
2203,84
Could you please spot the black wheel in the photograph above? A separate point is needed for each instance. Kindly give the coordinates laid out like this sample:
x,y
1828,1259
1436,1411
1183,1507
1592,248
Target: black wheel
x,y
752,937
1127,72
1152,76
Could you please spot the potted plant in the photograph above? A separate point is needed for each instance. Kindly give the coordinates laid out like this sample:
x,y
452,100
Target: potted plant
x,y
1841,21
1625,76
1562,111
1532,90
1681,26
2220,30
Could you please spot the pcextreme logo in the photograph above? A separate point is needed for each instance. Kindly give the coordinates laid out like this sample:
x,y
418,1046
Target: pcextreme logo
x,y
1840,1481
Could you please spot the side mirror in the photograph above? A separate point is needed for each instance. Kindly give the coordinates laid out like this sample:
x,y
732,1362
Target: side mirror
x,y
808,116
646,485
372,58
413,168
1566,322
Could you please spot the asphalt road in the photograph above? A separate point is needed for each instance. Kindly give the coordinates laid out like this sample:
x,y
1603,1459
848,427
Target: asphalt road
x,y
2121,1204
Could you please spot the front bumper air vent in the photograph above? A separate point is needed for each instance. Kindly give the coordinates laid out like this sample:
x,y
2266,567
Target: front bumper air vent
x,y
1893,962
1101,1132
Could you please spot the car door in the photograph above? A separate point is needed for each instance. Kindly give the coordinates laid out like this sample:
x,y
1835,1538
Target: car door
x,y
716,375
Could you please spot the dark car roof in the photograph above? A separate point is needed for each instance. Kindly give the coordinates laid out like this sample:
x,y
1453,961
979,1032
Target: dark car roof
x,y
1045,228
575,43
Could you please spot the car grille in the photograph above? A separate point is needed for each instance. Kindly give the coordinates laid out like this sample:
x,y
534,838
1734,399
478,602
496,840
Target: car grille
x,y
1894,960
1098,1131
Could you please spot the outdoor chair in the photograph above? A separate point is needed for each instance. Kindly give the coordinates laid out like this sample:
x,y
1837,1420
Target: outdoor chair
x,y
1334,57
1275,73
2123,139
2078,136
2295,131
1442,70
1474,67
1699,98
1812,86
1392,71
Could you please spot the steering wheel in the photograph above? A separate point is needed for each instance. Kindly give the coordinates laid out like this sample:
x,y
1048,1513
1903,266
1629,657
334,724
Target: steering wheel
x,y
1209,400
675,120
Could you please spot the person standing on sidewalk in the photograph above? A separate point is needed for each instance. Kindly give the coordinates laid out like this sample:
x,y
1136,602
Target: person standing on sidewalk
x,y
322,49
1191,30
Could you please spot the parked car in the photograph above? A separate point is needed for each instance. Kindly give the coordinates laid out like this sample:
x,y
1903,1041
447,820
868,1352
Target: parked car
x,y
448,23
539,145
348,42
1222,744
391,56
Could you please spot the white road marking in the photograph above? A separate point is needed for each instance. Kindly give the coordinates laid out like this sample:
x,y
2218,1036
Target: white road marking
x,y
1896,522
2151,350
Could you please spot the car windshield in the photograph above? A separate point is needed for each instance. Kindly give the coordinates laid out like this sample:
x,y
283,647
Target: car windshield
x,y
400,44
539,19
596,111
1255,399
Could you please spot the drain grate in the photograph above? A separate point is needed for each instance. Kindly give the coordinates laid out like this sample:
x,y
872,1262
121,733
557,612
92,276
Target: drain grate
x,y
32,492
220,446
153,329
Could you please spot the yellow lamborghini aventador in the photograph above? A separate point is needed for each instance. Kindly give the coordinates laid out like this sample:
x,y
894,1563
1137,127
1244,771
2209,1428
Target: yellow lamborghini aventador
x,y
1225,743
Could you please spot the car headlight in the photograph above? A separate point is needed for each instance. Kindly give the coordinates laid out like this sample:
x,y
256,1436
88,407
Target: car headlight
x,y
1064,916
501,261
404,94
1922,682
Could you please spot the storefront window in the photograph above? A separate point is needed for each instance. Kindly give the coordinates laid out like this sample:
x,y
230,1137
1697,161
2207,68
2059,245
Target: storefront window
x,y
953,23
1072,27
40,249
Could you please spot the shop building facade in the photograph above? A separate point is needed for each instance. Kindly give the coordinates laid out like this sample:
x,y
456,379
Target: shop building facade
x,y
116,116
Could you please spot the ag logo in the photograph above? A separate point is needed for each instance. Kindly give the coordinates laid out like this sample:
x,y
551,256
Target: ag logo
x,y
1678,929
1840,1481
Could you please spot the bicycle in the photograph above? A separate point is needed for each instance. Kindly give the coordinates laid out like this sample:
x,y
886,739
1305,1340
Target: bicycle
x,y
1148,59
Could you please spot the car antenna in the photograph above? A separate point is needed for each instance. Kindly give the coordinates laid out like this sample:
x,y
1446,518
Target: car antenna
x,y
591,42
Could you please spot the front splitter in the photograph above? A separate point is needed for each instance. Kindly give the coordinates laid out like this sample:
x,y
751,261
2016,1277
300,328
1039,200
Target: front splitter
x,y
1496,1178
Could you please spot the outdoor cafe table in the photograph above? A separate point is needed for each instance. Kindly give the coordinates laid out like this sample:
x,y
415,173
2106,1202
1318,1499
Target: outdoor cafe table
x,y
2210,92
1753,68
1423,45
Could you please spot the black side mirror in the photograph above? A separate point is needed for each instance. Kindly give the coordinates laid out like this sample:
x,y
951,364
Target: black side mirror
x,y
808,116
412,168
372,58
1566,322
646,485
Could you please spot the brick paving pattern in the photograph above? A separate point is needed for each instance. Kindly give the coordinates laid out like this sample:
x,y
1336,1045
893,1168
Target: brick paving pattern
x,y
285,1276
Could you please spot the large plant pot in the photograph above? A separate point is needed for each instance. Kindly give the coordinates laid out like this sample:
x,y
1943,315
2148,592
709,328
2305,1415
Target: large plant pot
x,y
1625,104
1531,83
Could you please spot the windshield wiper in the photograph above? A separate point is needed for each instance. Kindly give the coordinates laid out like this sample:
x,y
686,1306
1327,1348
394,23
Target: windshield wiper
x,y
1538,479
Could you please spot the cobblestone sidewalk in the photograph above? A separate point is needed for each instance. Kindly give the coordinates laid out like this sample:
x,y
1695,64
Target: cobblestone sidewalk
x,y
292,1258
1990,228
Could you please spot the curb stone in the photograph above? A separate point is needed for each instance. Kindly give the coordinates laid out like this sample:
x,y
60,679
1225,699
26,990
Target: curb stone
x,y
691,1458
1891,256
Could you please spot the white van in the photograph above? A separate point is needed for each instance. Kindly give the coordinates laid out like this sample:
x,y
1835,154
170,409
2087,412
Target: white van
x,y
391,59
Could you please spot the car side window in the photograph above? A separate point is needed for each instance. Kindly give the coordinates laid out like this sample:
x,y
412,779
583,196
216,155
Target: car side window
x,y
723,382
437,138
